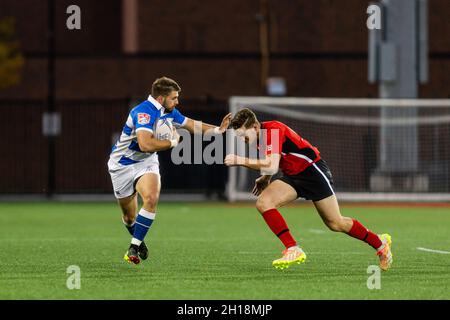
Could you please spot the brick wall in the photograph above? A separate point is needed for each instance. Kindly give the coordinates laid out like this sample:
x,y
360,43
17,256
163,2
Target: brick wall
x,y
210,47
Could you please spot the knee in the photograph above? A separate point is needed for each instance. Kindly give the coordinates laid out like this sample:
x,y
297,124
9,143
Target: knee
x,y
263,204
150,200
336,225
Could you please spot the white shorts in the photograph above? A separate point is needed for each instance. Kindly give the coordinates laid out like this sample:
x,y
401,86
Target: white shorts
x,y
124,178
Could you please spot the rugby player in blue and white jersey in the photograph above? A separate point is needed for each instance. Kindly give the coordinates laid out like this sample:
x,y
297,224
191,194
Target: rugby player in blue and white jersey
x,y
133,163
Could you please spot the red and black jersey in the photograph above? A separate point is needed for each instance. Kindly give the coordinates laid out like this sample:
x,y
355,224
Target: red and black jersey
x,y
297,154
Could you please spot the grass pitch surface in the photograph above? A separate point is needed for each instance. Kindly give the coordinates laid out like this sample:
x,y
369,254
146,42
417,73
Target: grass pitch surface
x,y
217,251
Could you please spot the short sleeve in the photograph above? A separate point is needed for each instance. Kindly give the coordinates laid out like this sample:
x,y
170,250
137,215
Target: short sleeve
x,y
143,120
178,118
273,139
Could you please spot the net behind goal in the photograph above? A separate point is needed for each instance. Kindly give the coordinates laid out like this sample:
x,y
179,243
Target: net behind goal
x,y
377,149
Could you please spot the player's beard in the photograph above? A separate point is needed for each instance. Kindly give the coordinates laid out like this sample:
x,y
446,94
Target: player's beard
x,y
164,104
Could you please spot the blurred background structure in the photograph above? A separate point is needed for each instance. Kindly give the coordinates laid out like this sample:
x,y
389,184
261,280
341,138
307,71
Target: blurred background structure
x,y
64,95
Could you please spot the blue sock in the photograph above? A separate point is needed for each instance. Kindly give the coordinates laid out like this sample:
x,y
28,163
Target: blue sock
x,y
143,222
130,227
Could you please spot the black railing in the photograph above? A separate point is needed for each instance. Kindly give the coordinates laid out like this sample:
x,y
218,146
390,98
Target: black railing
x,y
81,150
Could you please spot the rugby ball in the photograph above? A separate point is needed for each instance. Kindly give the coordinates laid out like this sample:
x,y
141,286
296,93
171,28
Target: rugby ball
x,y
163,129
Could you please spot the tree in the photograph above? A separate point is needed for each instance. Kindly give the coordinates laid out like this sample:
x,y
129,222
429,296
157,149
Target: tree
x,y
11,59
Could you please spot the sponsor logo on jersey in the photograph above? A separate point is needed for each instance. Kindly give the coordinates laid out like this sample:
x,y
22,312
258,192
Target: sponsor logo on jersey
x,y
143,118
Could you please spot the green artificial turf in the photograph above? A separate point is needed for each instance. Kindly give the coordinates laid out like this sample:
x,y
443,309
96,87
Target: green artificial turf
x,y
216,251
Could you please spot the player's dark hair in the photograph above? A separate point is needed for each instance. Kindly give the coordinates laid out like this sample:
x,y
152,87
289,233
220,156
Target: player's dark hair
x,y
164,86
244,117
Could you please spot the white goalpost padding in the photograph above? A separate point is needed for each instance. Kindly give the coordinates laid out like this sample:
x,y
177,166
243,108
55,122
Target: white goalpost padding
x,y
377,149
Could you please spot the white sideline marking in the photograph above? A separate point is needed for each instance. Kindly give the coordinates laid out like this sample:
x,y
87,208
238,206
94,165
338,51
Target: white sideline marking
x,y
307,252
256,252
185,209
316,231
431,250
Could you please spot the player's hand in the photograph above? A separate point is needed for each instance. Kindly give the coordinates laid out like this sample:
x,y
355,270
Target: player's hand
x,y
260,184
175,138
225,123
233,160
175,135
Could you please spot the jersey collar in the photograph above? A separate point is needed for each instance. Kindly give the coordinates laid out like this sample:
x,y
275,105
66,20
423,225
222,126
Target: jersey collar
x,y
156,104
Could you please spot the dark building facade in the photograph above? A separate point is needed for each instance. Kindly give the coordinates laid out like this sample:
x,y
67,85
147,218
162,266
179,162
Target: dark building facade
x,y
212,48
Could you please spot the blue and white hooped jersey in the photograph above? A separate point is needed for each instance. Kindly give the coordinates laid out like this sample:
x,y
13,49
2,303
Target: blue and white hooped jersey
x,y
144,116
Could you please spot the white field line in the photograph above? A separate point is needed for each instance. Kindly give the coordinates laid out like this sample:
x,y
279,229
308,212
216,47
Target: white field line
x,y
307,252
318,231
431,250
257,252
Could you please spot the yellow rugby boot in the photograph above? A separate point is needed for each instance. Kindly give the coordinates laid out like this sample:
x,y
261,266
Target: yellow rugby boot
x,y
384,253
292,255
132,256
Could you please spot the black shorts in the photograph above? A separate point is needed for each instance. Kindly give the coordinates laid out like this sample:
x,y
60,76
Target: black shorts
x,y
314,183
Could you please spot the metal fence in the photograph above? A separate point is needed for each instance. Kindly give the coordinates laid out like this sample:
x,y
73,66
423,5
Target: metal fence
x,y
76,164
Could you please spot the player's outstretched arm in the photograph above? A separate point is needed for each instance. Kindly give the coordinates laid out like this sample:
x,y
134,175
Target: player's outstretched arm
x,y
267,166
148,143
194,126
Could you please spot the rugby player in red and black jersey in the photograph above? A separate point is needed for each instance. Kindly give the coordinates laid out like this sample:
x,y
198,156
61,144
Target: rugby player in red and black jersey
x,y
304,174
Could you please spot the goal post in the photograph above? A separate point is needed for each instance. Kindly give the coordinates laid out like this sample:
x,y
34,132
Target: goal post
x,y
377,149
